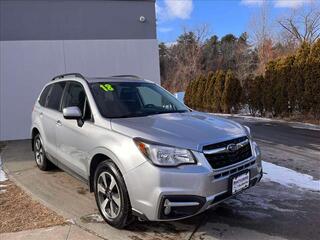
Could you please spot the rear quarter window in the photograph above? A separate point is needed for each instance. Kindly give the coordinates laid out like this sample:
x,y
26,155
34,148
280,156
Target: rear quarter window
x,y
44,95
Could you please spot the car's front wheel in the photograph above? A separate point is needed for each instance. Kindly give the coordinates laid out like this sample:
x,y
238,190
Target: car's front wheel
x,y
42,161
111,195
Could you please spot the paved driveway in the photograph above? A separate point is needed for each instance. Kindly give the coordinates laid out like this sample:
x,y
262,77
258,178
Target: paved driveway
x,y
271,210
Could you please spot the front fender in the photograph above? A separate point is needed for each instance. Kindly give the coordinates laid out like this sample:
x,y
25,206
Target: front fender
x,y
109,154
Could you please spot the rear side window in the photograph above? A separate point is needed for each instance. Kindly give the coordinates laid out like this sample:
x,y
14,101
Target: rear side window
x,y
55,95
44,94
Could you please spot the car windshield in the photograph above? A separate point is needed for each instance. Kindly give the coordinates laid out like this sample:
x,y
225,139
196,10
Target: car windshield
x,y
134,99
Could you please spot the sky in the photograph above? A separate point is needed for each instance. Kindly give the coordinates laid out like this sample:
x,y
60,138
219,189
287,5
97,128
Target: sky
x,y
220,16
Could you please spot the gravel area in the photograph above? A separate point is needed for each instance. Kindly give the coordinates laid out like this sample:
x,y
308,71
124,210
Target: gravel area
x,y
18,211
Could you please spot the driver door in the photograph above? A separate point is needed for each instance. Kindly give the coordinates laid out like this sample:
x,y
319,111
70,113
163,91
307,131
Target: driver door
x,y
73,136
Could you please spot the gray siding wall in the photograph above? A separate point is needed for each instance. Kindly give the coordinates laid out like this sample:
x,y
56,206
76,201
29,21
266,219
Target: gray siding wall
x,y
27,64
76,19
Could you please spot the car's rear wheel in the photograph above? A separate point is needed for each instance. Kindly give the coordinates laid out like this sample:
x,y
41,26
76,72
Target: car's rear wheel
x,y
111,195
42,161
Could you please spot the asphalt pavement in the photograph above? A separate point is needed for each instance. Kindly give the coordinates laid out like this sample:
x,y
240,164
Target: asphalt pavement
x,y
270,210
292,145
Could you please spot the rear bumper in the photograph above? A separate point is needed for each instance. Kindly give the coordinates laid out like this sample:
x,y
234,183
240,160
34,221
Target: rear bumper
x,y
186,190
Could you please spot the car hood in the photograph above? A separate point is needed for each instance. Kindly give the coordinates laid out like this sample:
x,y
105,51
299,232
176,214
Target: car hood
x,y
190,130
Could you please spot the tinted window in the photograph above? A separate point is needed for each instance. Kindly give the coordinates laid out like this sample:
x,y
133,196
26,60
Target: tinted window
x,y
150,96
44,94
130,99
55,95
75,96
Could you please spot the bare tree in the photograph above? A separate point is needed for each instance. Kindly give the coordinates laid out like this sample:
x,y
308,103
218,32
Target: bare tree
x,y
303,26
261,35
259,27
186,58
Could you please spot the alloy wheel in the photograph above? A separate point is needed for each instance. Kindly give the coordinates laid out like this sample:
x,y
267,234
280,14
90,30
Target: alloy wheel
x,y
108,195
39,152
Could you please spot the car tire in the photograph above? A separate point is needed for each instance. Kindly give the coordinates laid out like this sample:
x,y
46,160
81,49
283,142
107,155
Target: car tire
x,y
40,157
111,195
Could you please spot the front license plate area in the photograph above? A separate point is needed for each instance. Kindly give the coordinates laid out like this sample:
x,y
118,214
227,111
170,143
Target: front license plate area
x,y
240,182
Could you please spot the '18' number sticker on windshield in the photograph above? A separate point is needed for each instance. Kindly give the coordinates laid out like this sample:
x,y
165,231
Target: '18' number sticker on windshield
x,y
106,87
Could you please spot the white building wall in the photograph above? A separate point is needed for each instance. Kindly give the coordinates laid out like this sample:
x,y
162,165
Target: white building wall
x,y
25,66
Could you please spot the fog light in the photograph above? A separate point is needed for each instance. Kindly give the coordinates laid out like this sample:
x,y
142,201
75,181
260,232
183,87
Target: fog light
x,y
174,207
167,207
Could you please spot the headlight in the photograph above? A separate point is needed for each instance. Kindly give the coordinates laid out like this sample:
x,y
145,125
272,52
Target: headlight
x,y
164,155
248,131
256,149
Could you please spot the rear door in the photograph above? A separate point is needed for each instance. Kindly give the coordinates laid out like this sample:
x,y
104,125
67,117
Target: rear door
x,y
39,110
50,115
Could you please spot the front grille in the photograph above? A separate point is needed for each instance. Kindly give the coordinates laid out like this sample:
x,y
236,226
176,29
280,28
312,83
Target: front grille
x,y
234,170
223,159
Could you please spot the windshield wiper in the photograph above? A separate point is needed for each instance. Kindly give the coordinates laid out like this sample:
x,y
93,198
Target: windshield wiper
x,y
132,116
150,113
174,111
164,112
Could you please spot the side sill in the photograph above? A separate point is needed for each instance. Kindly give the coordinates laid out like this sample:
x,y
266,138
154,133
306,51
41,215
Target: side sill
x,y
70,171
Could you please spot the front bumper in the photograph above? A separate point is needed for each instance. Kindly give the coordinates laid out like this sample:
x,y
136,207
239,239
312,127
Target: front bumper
x,y
159,194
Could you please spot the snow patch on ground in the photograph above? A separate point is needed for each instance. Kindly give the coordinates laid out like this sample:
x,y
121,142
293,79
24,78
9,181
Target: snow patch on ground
x,y
2,173
253,199
254,214
288,177
2,178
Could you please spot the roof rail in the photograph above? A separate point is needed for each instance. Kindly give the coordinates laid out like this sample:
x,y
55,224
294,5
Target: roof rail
x,y
67,75
126,76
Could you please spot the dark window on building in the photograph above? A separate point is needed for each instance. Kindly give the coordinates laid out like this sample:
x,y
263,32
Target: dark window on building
x,y
75,96
55,95
44,94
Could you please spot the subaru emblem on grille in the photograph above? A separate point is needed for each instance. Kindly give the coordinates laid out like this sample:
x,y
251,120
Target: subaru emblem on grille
x,y
232,147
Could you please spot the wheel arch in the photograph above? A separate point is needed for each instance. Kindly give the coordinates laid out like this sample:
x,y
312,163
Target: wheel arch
x,y
98,157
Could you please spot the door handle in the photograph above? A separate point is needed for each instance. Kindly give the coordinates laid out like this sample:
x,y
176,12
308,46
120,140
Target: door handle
x,y
41,114
58,123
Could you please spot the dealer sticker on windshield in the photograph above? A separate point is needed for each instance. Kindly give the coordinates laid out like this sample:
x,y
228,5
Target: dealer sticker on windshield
x,y
240,182
106,87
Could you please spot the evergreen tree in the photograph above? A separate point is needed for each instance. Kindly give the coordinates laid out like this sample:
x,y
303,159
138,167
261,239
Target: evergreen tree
x,y
187,95
299,69
312,81
281,85
254,94
218,91
200,92
231,94
290,85
268,97
209,91
194,93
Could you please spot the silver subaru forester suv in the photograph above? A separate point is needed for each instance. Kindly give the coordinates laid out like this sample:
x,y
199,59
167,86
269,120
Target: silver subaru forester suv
x,y
141,151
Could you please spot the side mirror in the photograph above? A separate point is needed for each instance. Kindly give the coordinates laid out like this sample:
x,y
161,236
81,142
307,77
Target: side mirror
x,y
72,113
